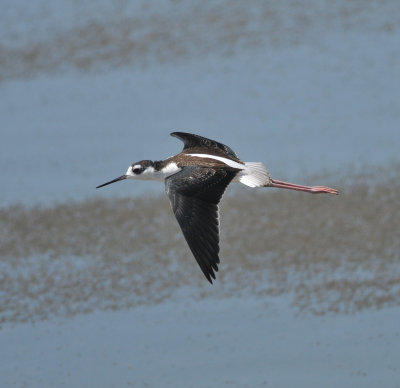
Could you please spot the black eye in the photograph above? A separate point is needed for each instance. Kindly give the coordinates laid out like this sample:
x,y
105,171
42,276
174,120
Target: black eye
x,y
137,170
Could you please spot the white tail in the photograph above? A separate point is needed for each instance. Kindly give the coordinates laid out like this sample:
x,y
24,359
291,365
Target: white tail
x,y
254,175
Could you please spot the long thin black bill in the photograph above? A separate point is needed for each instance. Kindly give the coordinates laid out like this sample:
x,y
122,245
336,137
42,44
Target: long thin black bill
x,y
122,177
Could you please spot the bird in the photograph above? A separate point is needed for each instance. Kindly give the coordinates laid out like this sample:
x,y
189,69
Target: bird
x,y
195,181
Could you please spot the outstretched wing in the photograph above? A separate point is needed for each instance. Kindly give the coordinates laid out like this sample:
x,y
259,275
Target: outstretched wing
x,y
198,144
194,193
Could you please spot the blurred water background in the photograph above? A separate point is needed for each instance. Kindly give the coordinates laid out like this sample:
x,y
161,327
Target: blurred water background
x,y
312,89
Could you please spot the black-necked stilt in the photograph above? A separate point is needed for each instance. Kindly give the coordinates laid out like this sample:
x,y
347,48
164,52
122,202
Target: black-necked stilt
x,y
195,181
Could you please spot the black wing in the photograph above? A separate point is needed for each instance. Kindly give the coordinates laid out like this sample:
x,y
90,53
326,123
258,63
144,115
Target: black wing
x,y
194,193
193,143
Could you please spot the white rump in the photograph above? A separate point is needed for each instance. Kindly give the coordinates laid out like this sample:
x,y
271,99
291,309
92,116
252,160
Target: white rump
x,y
255,174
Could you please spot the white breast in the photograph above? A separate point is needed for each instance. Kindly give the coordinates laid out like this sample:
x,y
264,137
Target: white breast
x,y
168,170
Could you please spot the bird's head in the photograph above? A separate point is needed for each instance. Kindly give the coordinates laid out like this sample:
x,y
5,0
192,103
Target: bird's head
x,y
143,170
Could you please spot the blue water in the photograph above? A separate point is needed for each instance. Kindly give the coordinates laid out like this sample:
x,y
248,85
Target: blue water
x,y
238,342
330,103
317,94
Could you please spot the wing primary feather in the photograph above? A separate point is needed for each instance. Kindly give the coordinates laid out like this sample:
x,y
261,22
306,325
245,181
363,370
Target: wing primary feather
x,y
192,141
194,193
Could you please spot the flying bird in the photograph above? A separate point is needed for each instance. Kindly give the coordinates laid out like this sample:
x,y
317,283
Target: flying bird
x,y
195,180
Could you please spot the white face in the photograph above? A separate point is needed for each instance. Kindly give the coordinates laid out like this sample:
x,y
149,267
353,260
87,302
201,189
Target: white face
x,y
137,171
147,172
